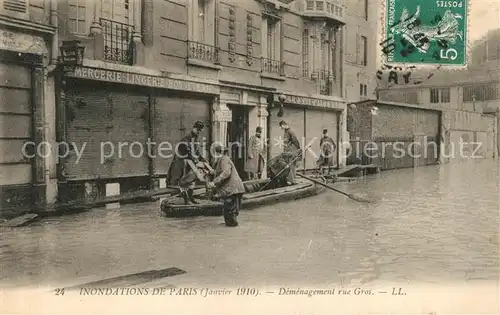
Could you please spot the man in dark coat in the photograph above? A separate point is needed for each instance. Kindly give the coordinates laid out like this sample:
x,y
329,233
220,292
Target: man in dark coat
x,y
227,185
179,173
327,148
291,150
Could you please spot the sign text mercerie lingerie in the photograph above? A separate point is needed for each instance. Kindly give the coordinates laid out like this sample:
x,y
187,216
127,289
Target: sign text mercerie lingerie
x,y
144,80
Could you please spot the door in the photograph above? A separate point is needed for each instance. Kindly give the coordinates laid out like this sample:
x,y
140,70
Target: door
x,y
315,121
294,116
15,124
238,137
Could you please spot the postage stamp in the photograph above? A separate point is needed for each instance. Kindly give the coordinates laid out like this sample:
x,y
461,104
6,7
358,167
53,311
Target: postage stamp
x,y
425,32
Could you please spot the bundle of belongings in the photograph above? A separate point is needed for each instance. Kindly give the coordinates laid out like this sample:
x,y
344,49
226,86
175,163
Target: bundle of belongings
x,y
277,167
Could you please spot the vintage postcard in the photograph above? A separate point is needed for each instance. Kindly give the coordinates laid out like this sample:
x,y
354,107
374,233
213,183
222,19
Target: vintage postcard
x,y
249,157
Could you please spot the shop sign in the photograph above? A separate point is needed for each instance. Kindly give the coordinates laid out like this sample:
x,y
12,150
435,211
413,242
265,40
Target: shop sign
x,y
223,115
23,43
142,79
309,101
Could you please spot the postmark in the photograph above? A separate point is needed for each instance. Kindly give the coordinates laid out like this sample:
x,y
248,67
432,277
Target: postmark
x,y
425,32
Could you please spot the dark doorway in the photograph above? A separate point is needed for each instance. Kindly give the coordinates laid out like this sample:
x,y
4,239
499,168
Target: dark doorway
x,y
237,137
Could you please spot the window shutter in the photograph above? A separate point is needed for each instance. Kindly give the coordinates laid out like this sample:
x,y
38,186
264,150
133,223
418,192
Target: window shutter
x,y
19,6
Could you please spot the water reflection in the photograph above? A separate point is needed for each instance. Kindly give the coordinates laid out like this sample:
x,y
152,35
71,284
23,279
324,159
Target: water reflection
x,y
436,224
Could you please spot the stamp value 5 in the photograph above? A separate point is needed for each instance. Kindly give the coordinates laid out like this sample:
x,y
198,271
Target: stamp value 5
x,y
426,32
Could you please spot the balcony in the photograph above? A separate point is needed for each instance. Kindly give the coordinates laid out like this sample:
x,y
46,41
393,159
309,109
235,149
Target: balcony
x,y
325,9
325,82
272,67
200,52
118,46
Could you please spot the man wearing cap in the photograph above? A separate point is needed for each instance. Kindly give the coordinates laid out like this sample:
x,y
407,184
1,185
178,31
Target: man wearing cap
x,y
291,149
327,147
187,149
256,155
227,185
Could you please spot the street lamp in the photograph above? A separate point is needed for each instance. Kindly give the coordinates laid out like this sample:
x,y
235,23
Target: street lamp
x,y
72,52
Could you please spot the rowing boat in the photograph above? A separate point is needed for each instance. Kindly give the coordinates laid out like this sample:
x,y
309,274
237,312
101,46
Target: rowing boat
x,y
253,197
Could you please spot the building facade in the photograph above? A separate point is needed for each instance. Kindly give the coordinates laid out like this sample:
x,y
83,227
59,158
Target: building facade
x,y
152,68
469,100
27,39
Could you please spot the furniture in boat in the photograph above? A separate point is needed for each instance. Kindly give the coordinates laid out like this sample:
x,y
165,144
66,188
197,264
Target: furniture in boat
x,y
251,199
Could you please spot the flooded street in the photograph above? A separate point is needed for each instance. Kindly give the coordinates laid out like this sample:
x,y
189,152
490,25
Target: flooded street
x,y
432,225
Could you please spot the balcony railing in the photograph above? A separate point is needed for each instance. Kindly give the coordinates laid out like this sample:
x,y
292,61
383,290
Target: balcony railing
x,y
325,8
272,66
118,45
325,77
203,52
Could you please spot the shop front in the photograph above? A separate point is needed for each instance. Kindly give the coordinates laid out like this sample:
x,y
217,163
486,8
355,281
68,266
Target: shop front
x,y
122,129
307,118
22,117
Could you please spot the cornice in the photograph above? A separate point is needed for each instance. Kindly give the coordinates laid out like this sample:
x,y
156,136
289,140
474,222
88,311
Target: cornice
x,y
22,24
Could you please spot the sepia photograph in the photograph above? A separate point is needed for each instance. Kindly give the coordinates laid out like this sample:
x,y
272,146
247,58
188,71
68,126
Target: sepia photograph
x,y
249,157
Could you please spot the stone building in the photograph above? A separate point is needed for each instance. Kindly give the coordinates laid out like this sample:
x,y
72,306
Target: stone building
x,y
469,100
27,43
152,68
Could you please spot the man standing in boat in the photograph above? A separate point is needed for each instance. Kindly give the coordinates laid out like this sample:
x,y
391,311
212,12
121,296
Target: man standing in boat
x,y
179,173
327,149
227,185
291,150
256,155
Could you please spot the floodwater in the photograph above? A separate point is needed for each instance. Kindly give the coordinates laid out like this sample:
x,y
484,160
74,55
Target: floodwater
x,y
434,225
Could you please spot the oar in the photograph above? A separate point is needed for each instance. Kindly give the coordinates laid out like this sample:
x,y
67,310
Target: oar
x,y
352,196
285,168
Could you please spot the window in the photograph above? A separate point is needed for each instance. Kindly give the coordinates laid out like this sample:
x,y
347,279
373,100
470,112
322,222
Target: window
x,y
77,17
305,53
116,10
434,96
363,90
484,92
364,53
324,50
445,95
271,39
201,14
440,95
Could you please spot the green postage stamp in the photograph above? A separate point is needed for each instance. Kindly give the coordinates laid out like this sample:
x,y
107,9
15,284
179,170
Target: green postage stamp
x,y
426,32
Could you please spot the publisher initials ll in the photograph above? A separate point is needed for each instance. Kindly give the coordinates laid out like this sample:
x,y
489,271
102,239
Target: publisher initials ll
x,y
398,291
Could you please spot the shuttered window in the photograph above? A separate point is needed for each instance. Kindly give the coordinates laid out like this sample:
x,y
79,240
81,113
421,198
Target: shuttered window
x,y
20,6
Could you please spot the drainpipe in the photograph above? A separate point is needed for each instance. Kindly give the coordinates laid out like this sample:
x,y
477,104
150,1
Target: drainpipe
x,y
54,48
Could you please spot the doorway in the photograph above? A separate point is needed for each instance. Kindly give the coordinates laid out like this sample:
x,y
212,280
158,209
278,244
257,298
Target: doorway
x,y
238,137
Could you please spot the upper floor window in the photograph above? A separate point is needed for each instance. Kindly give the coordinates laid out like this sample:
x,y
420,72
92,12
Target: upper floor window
x,y
305,53
445,95
201,14
271,39
363,90
77,17
440,95
364,51
80,13
483,92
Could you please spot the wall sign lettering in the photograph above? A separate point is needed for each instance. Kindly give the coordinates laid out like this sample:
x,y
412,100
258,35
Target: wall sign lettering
x,y
144,80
